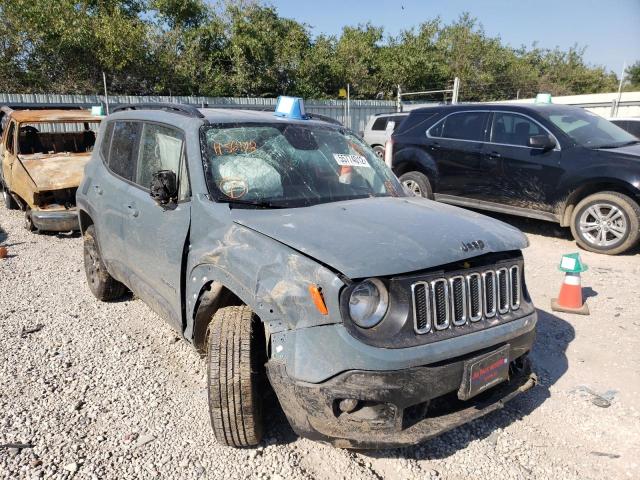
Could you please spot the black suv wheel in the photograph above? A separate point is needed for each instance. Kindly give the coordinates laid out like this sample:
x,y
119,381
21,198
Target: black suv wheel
x,y
103,286
417,183
235,366
606,222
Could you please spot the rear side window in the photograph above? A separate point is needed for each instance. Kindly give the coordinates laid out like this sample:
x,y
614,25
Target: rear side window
x,y
124,147
461,126
398,121
380,124
161,148
513,129
105,142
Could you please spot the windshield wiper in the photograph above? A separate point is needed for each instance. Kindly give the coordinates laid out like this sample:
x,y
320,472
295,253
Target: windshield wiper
x,y
253,203
618,145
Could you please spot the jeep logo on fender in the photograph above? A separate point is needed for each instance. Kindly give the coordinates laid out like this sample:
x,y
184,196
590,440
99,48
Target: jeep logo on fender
x,y
475,245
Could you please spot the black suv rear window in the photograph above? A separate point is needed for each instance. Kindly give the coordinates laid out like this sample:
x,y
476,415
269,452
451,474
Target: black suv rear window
x,y
124,148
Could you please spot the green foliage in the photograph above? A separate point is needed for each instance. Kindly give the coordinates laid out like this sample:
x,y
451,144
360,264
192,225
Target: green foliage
x,y
246,48
632,75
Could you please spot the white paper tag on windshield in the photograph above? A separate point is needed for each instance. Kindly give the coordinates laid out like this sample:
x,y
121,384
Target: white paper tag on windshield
x,y
351,160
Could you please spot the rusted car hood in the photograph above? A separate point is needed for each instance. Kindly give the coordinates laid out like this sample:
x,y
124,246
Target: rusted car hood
x,y
382,236
52,172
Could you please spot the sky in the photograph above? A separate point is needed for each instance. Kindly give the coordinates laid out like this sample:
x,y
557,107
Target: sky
x,y
610,29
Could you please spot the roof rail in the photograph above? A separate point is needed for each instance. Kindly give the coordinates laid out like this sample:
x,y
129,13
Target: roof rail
x,y
179,108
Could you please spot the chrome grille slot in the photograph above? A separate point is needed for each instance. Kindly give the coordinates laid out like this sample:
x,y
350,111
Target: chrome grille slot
x,y
514,275
490,294
453,301
440,302
421,310
474,284
502,280
458,300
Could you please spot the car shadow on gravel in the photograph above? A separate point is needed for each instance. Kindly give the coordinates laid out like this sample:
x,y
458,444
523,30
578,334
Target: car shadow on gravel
x,y
550,363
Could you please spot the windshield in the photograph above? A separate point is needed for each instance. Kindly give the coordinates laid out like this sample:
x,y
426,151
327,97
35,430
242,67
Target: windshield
x,y
590,130
291,165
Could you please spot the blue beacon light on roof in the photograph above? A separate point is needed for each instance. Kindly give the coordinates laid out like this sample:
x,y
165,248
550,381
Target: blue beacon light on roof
x,y
290,107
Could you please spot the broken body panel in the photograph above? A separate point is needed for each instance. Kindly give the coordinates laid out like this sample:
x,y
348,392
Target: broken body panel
x,y
42,170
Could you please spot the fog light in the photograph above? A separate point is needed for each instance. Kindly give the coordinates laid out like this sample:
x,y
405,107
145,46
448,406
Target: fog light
x,y
348,405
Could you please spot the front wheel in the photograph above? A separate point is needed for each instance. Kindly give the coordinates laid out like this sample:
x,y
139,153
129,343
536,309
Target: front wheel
x,y
235,376
103,286
9,202
417,183
606,222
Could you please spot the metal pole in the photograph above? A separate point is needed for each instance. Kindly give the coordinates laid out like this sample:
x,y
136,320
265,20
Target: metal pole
x,y
348,105
106,95
518,95
456,90
624,67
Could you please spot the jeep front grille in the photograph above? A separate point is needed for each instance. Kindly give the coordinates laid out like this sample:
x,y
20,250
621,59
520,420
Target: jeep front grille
x,y
450,302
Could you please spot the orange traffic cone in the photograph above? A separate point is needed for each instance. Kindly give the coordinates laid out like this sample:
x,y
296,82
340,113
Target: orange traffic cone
x,y
570,298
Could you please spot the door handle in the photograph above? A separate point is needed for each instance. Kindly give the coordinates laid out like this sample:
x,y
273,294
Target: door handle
x,y
495,155
132,211
434,146
98,189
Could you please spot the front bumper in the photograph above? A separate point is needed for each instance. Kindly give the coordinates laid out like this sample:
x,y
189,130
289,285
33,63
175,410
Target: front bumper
x,y
395,408
55,220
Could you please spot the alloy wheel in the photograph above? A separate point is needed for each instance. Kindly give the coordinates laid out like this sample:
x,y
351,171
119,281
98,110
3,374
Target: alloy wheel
x,y
603,225
413,187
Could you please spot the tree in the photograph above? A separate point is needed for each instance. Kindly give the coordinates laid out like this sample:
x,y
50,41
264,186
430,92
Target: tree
x,y
633,75
245,48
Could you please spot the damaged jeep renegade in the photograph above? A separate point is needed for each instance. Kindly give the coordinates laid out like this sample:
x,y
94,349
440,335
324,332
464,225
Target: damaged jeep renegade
x,y
290,256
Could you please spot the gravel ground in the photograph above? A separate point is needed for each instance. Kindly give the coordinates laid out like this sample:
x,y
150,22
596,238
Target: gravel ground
x,y
97,390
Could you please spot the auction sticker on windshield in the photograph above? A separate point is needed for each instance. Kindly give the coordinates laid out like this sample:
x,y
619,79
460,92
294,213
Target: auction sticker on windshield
x,y
351,160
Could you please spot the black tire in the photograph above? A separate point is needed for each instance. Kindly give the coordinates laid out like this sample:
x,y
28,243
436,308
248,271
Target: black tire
x,y
103,286
418,183
595,232
9,202
379,149
235,374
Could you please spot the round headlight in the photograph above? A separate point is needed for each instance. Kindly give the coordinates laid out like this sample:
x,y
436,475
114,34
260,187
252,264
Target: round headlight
x,y
368,303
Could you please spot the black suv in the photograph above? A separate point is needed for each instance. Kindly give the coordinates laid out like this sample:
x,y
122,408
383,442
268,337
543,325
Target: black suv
x,y
544,161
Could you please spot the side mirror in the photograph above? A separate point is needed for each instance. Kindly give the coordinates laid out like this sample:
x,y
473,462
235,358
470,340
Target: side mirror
x,y
545,142
164,187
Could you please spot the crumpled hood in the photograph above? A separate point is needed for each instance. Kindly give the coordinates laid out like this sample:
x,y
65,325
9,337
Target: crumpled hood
x,y
382,236
53,172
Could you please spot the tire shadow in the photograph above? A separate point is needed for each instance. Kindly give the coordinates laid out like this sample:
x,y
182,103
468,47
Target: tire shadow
x,y
549,362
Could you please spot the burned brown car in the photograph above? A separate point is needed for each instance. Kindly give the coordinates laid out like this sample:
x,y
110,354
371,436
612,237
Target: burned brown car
x,y
43,154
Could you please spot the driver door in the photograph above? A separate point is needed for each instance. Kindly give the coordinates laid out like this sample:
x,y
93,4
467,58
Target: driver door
x,y
156,236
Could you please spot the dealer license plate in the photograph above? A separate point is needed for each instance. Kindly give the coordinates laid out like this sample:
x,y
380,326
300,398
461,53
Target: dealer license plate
x,y
482,373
